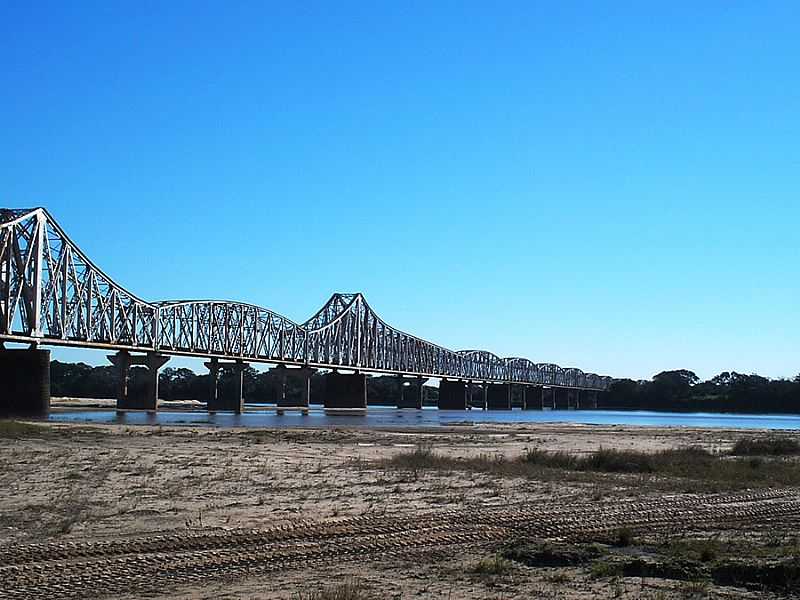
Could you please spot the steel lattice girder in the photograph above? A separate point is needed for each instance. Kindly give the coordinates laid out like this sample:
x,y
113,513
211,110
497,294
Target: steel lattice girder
x,y
51,293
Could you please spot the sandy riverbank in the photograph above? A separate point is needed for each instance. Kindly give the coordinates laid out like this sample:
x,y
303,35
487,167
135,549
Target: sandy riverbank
x,y
112,482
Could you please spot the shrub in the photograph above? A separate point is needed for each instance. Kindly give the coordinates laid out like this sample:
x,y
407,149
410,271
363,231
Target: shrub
x,y
623,538
766,446
493,565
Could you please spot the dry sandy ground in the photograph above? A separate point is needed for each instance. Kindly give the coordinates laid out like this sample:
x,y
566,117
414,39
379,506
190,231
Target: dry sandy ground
x,y
107,482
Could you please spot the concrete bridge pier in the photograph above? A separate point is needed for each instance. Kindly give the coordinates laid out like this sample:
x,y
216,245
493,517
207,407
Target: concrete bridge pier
x,y
471,388
285,397
233,402
123,361
560,398
570,398
411,393
24,382
498,396
549,397
533,397
345,391
452,395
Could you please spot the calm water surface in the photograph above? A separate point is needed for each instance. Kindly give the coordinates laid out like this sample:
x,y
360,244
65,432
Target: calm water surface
x,y
376,416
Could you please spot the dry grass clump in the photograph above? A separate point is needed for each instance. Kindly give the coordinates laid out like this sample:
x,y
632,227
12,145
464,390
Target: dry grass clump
x,y
19,429
493,566
690,463
766,446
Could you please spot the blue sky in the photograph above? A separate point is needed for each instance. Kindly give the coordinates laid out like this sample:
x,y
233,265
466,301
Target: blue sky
x,y
612,186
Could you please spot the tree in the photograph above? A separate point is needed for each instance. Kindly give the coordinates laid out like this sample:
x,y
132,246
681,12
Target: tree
x,y
622,393
723,379
681,378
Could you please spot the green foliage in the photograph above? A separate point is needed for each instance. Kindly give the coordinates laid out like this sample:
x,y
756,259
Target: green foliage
x,y
80,380
682,390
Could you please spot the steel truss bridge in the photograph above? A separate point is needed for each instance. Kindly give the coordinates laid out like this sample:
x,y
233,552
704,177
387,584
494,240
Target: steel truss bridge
x,y
51,293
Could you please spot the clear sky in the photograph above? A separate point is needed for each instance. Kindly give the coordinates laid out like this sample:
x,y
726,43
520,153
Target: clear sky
x,y
607,185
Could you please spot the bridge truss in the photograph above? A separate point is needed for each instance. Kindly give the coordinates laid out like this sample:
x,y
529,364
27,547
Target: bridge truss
x,y
51,293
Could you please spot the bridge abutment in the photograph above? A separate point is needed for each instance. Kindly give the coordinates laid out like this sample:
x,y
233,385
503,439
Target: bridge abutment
x,y
411,395
24,382
452,395
498,396
345,391
233,401
123,361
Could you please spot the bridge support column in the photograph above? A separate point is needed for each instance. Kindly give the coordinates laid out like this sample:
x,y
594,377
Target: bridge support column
x,y
533,397
213,367
471,388
123,361
345,391
411,395
560,398
590,401
24,382
549,397
227,402
237,401
154,362
285,396
498,396
452,395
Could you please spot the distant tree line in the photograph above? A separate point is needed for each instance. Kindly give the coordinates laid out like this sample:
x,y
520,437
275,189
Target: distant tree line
x,y
80,380
682,390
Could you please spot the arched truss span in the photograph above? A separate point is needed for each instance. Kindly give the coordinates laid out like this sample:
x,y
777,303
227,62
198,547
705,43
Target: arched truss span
x,y
480,364
229,328
50,292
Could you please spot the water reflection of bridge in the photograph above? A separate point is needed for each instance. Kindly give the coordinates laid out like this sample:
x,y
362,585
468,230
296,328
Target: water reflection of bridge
x,y
52,294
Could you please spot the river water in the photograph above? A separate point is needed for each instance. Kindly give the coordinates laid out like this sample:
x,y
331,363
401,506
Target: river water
x,y
377,416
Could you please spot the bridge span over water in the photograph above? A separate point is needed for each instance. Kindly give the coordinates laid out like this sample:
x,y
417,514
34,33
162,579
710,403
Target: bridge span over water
x,y
52,294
